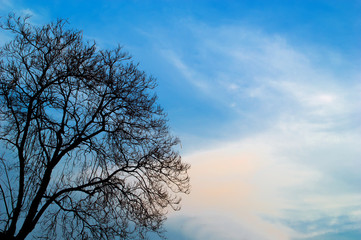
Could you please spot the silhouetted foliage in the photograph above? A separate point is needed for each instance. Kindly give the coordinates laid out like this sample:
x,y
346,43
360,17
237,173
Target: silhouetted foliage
x,y
86,150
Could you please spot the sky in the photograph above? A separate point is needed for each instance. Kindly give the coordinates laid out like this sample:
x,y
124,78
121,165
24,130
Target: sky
x,y
265,97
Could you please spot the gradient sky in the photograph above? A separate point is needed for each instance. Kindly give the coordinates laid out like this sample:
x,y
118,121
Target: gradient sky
x,y
265,96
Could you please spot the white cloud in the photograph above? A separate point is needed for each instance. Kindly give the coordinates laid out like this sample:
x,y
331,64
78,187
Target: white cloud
x,y
234,64
301,167
187,72
27,12
4,4
280,175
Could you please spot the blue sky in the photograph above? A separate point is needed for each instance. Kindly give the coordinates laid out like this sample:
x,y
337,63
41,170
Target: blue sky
x,y
265,96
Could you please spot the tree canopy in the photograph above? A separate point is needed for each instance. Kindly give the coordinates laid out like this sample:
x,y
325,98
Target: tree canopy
x,y
86,150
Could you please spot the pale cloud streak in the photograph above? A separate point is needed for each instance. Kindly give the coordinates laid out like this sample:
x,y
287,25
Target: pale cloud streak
x,y
4,4
294,178
291,167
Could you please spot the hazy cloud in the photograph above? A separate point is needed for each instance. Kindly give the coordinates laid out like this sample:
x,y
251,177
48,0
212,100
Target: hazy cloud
x,y
293,177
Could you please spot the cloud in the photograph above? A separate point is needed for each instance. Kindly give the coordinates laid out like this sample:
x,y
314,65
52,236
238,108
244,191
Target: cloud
x,y
192,76
253,73
38,15
275,185
291,172
5,4
227,199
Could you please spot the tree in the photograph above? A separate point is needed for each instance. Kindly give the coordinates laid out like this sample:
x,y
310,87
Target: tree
x,y
86,150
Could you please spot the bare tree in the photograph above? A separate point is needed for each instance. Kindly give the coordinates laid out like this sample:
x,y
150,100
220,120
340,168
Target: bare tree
x,y
86,150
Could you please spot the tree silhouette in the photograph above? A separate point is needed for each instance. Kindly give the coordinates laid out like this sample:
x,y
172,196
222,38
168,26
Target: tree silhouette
x,y
86,150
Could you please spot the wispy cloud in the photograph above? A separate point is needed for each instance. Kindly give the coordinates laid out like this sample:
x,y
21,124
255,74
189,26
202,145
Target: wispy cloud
x,y
287,164
293,173
4,4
